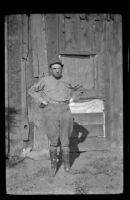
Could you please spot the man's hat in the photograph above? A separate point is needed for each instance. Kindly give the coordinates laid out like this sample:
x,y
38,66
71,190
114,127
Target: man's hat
x,y
55,61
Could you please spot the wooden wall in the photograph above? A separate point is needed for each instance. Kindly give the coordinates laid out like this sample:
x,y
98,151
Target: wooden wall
x,y
15,82
79,35
38,42
116,80
33,41
99,35
51,24
75,33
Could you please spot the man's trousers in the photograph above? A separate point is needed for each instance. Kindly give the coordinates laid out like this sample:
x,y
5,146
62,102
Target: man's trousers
x,y
57,122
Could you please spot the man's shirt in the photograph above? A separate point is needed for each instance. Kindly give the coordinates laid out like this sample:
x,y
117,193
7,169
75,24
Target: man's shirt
x,y
52,89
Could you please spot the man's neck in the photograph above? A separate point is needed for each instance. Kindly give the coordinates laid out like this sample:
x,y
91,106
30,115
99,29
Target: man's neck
x,y
57,78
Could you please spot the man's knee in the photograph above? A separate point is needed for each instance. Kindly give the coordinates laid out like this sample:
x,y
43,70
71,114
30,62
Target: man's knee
x,y
53,146
65,147
53,140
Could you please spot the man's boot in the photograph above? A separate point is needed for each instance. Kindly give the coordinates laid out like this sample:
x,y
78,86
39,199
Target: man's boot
x,y
53,158
65,158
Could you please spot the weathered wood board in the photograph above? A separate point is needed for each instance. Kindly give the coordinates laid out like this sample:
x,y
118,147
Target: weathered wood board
x,y
51,24
79,69
90,46
40,65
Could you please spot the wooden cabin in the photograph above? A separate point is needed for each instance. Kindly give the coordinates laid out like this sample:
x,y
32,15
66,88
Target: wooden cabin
x,y
89,46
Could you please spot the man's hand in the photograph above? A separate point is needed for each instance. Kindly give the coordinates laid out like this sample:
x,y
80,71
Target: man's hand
x,y
43,104
72,101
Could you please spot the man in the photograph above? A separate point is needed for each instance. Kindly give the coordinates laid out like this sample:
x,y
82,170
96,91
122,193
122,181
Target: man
x,y
56,94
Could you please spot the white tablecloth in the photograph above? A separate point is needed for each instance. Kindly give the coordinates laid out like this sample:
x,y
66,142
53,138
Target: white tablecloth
x,y
92,106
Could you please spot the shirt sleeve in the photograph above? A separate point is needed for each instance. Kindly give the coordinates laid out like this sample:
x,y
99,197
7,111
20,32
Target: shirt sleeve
x,y
34,91
77,89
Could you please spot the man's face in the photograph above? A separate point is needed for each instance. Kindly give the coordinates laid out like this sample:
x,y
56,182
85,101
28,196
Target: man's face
x,y
56,70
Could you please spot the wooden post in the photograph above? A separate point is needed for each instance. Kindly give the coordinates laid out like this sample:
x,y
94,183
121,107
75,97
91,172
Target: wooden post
x,y
7,137
116,82
25,125
106,65
34,19
23,95
42,50
38,40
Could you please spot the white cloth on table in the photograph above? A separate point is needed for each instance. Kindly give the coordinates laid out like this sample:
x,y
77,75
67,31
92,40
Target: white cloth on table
x,y
92,106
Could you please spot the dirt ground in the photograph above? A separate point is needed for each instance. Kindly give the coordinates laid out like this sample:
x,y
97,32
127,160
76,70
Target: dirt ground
x,y
102,173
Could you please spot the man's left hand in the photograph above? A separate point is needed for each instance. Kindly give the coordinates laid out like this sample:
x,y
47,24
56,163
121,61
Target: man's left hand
x,y
43,104
71,100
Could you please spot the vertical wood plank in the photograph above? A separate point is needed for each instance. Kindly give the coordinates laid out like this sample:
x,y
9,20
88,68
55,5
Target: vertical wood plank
x,y
68,34
94,72
42,52
7,136
106,61
116,82
45,66
39,45
40,48
23,87
14,58
82,34
25,36
79,32
14,82
38,40
74,35
29,69
24,61
99,47
87,36
40,139
51,22
34,25
111,97
100,70
100,57
6,66
91,32
61,32
97,36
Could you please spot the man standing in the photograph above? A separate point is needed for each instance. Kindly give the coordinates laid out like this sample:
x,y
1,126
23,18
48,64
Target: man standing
x,y
56,94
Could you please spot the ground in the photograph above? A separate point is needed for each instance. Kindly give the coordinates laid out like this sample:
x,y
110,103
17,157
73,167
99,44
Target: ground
x,y
102,173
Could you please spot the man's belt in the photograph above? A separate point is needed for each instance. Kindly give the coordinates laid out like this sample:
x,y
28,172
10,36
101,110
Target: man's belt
x,y
59,102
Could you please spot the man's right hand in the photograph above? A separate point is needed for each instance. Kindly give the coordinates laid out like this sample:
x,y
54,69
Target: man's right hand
x,y
43,104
